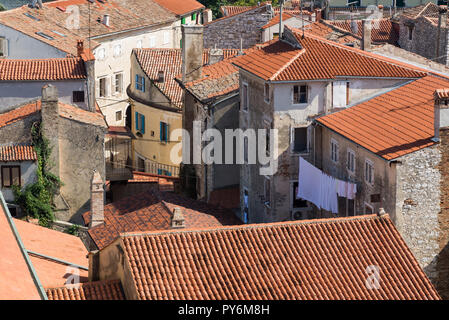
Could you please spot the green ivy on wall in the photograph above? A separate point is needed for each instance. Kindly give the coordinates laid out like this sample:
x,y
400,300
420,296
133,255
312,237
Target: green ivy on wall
x,y
36,199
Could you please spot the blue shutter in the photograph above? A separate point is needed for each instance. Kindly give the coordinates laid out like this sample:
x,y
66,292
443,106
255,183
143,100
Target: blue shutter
x,y
137,121
166,132
143,84
137,82
142,123
159,172
160,131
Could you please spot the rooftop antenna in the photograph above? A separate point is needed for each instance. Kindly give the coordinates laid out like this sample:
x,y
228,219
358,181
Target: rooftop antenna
x,y
281,3
302,20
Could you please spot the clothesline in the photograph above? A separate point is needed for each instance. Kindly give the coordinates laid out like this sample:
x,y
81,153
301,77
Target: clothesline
x,y
322,189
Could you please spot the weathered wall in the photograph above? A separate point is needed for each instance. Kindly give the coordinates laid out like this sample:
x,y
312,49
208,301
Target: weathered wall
x,y
81,149
227,32
20,131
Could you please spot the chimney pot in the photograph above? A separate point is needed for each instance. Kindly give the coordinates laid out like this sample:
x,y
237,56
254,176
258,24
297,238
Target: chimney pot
x,y
161,76
215,55
106,20
366,34
178,220
80,47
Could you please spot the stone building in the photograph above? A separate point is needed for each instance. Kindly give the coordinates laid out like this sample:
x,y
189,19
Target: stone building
x,y
76,137
211,99
419,31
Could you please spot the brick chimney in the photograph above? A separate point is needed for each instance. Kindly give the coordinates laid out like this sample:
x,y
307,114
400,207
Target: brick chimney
x,y
97,200
50,123
178,220
192,52
366,34
215,55
441,112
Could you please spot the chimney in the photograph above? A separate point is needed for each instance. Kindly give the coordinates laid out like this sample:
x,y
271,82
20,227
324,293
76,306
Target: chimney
x,y
161,76
80,47
366,34
442,19
178,221
106,20
192,52
318,15
89,63
207,16
281,27
50,123
441,112
97,200
215,55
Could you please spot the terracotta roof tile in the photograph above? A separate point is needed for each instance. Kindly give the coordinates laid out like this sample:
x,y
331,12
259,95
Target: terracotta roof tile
x,y
42,69
180,7
98,290
65,110
17,153
152,210
56,245
318,58
276,19
169,60
386,32
330,33
17,282
124,15
442,93
424,10
315,259
393,124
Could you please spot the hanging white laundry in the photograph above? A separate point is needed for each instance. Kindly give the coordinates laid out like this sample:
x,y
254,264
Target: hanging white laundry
x,y
342,189
352,191
309,182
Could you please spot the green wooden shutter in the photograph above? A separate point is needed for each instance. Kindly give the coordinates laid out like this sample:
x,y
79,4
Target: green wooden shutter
x,y
183,20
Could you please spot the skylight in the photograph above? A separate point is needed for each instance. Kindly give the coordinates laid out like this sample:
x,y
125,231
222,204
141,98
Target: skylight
x,y
59,33
31,16
46,36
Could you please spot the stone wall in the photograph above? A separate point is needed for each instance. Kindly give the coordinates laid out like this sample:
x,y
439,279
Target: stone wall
x,y
227,32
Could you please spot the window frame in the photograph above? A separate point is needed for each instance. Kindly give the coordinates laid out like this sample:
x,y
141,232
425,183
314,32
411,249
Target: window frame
x,y
117,47
139,83
120,91
99,87
10,168
292,140
78,94
163,133
337,150
348,153
245,102
299,94
121,115
371,164
266,92
4,47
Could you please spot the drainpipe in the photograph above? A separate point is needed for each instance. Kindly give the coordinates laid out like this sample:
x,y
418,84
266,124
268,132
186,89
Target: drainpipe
x,y
36,280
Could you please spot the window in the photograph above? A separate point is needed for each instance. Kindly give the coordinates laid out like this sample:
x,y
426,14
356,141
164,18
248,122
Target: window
x,y
118,116
369,172
340,94
275,35
118,83
183,20
101,53
102,84
139,120
166,37
351,161
78,96
266,92
3,47
267,189
245,149
299,94
152,42
245,205
334,150
297,203
117,50
410,33
139,44
10,176
140,83
245,100
163,132
299,137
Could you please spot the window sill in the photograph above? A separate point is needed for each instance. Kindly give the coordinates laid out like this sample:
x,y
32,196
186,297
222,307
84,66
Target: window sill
x,y
301,153
303,104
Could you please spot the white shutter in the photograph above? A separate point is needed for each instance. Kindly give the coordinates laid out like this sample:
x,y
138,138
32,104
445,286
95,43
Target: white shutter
x,y
113,84
97,88
108,87
339,94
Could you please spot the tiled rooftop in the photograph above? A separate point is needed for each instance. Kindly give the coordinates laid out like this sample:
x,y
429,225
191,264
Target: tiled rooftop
x,y
383,30
98,290
152,210
429,10
17,153
16,280
169,60
180,7
318,58
54,244
393,124
124,15
276,19
315,259
330,33
42,69
65,110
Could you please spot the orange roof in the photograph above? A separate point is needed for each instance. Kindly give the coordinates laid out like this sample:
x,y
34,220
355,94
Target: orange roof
x,y
98,290
53,29
42,69
317,58
306,260
170,61
55,244
65,110
232,10
17,153
276,19
16,280
180,7
393,124
331,33
153,210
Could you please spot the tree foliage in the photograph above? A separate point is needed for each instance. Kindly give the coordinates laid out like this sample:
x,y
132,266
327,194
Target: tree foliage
x,y
36,199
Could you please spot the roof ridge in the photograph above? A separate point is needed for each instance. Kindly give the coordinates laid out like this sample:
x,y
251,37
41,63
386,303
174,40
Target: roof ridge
x,y
258,225
288,63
